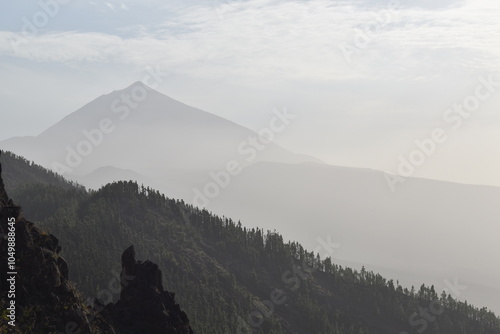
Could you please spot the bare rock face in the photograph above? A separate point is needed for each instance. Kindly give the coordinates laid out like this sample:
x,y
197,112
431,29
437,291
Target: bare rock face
x,y
144,306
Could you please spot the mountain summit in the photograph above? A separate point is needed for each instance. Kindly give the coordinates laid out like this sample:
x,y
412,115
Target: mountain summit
x,y
154,128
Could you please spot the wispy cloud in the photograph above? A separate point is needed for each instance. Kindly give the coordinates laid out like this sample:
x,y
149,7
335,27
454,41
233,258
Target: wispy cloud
x,y
123,6
110,6
296,40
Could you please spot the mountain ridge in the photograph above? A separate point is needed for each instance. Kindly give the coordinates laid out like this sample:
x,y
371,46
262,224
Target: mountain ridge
x,y
405,227
41,299
238,271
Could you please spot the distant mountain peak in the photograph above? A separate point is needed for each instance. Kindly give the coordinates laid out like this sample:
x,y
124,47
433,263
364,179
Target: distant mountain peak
x,y
138,83
155,128
135,85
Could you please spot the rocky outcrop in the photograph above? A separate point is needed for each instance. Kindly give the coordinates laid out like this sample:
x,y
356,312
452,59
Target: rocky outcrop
x,y
144,306
46,302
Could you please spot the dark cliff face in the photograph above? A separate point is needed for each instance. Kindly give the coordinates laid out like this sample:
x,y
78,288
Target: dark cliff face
x,y
47,302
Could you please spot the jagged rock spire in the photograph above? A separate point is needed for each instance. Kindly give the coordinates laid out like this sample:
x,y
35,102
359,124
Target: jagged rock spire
x,y
144,306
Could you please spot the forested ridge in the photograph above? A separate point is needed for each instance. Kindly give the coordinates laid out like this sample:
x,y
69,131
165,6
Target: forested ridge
x,y
228,278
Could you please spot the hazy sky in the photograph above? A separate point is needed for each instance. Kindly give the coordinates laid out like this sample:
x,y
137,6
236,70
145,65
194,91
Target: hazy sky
x,y
366,79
